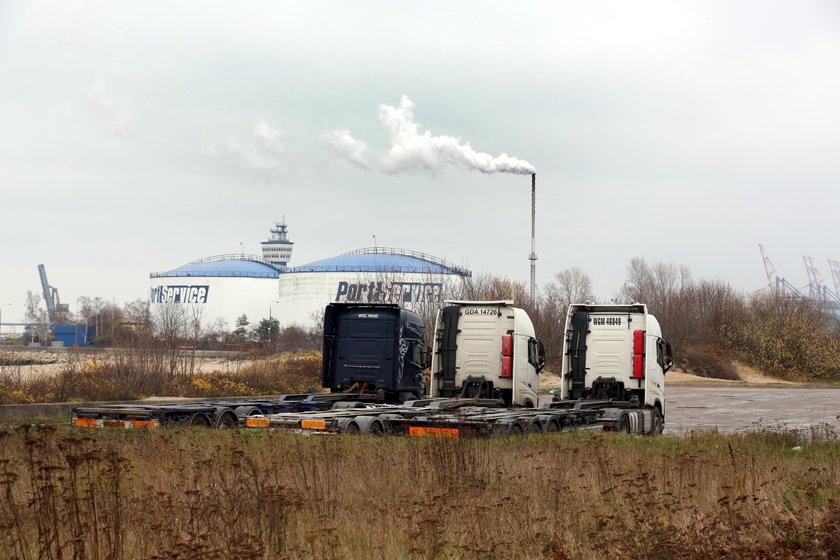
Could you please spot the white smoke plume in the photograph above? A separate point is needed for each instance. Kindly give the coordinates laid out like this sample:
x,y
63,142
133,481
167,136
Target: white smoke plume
x,y
409,149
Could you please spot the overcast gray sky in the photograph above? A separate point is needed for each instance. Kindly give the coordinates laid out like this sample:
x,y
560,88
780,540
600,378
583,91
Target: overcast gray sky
x,y
135,137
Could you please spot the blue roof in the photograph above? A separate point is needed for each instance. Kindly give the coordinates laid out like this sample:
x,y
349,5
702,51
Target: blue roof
x,y
382,259
237,266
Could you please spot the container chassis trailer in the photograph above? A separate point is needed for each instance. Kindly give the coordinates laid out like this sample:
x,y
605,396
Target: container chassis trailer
x,y
211,413
458,417
329,413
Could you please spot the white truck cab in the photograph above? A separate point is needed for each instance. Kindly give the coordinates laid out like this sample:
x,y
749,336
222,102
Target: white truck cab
x,y
615,352
486,349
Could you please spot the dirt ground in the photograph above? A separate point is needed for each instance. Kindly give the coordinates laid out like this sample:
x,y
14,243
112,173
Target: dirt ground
x,y
49,361
679,378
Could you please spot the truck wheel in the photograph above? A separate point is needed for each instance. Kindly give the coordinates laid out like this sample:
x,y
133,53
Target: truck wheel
x,y
515,430
375,429
552,426
227,421
406,396
657,425
199,420
351,428
535,426
623,425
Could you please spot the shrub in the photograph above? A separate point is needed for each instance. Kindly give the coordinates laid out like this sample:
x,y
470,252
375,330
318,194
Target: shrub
x,y
786,338
114,380
707,361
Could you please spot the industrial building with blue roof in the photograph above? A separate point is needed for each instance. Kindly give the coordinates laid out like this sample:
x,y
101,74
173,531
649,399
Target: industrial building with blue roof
x,y
236,284
224,266
383,259
370,259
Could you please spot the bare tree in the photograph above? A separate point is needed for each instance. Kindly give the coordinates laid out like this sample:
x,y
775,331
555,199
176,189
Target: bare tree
x,y
472,288
315,334
36,316
138,314
569,286
690,312
171,326
638,286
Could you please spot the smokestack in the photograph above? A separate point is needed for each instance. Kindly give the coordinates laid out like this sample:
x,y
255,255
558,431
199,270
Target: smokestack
x,y
533,256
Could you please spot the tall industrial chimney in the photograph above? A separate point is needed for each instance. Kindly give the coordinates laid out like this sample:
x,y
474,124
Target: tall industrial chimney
x,y
533,256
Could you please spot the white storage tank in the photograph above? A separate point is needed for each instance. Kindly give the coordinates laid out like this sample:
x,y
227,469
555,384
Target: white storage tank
x,y
373,274
219,287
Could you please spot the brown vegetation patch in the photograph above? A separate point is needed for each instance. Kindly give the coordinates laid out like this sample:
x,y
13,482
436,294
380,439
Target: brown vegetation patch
x,y
130,374
793,340
238,495
707,361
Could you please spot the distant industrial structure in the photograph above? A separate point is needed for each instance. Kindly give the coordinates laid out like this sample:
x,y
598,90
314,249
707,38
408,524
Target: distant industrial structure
x,y
277,249
52,330
231,285
51,298
816,291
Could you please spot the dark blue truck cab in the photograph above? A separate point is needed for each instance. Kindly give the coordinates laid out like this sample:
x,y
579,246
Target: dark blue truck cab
x,y
373,353
374,347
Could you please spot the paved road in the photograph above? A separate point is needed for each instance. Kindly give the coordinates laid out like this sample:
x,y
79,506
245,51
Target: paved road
x,y
732,409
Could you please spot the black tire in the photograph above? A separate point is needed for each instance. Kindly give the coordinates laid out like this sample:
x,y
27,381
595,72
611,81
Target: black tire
x,y
623,425
406,396
552,426
376,429
515,430
658,424
351,428
227,421
199,420
245,411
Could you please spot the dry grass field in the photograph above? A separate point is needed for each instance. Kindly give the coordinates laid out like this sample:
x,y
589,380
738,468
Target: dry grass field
x,y
253,495
137,373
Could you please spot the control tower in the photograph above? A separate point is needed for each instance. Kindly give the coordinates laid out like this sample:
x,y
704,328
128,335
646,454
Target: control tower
x,y
277,250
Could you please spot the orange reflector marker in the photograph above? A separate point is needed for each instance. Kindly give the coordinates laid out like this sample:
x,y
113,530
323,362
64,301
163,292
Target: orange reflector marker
x,y
313,424
84,422
143,424
257,422
421,431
